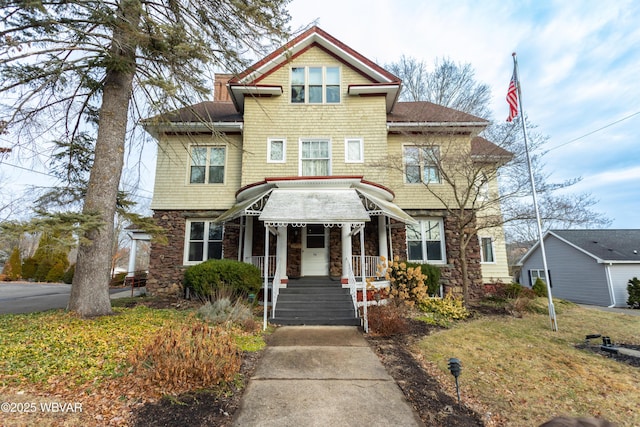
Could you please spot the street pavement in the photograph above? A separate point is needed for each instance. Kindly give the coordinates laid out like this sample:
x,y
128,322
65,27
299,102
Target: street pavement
x,y
27,297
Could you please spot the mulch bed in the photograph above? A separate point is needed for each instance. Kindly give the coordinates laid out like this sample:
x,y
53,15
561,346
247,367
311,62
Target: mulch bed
x,y
622,358
422,390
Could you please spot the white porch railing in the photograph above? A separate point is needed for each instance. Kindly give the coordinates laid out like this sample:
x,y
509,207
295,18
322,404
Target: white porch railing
x,y
371,263
275,291
258,261
353,290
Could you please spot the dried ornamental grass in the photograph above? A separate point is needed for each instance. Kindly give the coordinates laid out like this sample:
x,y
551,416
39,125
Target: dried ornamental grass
x,y
191,356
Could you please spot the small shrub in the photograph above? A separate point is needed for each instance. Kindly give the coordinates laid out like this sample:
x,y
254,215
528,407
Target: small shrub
x,y
540,288
431,277
192,356
118,279
407,284
29,267
386,320
56,273
68,275
633,288
13,268
441,311
205,278
506,291
224,310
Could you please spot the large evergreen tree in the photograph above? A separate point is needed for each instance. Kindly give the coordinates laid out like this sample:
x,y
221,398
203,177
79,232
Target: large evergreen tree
x,y
70,68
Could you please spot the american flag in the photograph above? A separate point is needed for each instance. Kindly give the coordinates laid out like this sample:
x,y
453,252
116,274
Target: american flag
x,y
512,98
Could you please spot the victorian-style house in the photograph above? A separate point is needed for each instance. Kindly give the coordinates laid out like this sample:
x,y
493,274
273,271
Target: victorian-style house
x,y
310,150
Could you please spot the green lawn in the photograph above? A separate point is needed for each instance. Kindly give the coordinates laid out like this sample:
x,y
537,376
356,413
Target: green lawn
x,y
524,374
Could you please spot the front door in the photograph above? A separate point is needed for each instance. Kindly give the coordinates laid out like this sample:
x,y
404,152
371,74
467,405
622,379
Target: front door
x,y
315,250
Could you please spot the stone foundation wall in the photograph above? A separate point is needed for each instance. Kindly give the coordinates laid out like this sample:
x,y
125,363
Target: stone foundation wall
x,y
165,259
166,268
451,276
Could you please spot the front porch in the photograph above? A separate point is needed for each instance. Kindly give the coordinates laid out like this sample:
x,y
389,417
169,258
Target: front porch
x,y
342,228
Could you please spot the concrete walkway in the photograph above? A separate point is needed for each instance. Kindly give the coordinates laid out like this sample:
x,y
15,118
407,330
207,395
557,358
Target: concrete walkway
x,y
322,376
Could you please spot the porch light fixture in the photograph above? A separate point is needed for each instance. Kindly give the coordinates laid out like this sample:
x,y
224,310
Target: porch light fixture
x,y
455,368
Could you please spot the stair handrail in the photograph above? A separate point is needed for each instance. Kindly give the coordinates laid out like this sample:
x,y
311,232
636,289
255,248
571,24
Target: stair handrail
x,y
275,290
353,285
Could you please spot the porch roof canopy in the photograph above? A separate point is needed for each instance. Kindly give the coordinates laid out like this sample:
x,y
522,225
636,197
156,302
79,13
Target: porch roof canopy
x,y
313,206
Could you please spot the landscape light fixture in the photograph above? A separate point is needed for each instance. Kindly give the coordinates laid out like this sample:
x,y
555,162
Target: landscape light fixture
x,y
455,368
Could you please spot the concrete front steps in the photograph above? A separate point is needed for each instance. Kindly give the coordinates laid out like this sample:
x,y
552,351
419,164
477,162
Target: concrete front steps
x,y
315,301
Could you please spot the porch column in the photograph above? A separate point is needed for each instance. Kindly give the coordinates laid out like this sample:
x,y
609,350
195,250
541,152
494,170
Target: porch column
x,y
346,251
247,249
382,237
281,253
132,258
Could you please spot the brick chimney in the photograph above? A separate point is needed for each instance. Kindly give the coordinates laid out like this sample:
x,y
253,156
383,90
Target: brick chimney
x,y
220,92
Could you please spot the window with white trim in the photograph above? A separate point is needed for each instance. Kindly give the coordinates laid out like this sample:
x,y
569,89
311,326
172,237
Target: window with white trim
x,y
207,165
315,157
276,150
421,164
315,85
486,250
425,241
203,241
537,274
353,150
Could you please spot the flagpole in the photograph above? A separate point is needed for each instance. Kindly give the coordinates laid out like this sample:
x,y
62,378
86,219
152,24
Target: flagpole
x,y
552,310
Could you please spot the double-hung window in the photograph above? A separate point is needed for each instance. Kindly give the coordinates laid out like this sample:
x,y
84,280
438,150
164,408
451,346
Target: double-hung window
x,y
203,241
315,85
537,274
486,250
207,165
425,241
315,157
421,164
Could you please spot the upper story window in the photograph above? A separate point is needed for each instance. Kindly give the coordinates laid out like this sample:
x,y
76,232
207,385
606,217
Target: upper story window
x,y
276,150
353,150
421,164
315,85
425,241
315,157
207,165
203,241
486,250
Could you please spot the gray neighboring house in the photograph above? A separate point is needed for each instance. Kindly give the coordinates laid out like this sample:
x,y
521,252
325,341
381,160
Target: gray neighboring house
x,y
586,266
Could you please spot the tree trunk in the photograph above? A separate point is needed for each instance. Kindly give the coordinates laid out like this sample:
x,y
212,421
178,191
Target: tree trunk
x,y
90,287
464,269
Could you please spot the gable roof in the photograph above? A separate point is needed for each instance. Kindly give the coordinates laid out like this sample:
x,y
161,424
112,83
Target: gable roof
x,y
430,113
485,151
615,245
247,83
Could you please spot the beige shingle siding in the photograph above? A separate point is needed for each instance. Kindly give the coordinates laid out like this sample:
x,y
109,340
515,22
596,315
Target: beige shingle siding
x,y
354,117
172,189
498,271
414,196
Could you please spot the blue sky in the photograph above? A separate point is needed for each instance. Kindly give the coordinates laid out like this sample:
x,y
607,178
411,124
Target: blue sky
x,y
579,64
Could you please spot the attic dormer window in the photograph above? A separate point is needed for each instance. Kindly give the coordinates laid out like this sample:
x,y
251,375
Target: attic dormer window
x,y
315,85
